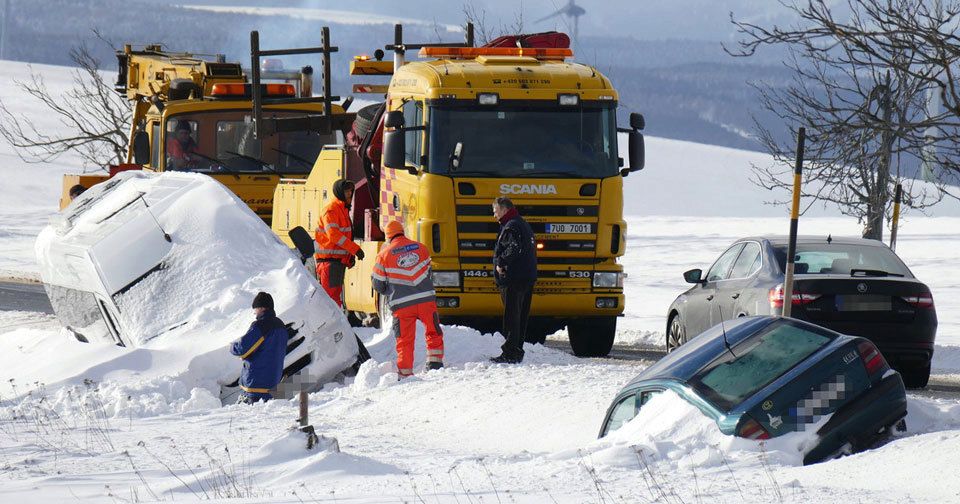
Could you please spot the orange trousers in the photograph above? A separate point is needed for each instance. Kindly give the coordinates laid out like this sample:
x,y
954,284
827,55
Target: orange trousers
x,y
405,330
330,274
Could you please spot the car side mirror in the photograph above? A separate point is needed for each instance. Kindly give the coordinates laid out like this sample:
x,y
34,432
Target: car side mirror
x,y
694,276
637,121
141,148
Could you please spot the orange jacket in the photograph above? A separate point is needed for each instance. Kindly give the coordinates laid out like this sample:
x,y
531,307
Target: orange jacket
x,y
402,273
334,233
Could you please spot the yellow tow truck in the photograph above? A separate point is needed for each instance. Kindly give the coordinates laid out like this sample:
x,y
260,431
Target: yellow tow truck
x,y
460,127
193,113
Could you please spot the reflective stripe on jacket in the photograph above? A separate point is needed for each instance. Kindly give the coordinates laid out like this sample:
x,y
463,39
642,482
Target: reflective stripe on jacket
x,y
402,273
262,349
334,233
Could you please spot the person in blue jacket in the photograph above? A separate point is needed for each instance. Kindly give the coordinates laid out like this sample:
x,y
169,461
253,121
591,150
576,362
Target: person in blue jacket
x,y
262,349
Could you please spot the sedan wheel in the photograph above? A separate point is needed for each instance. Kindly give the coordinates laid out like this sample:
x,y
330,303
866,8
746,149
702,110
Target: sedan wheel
x,y
676,333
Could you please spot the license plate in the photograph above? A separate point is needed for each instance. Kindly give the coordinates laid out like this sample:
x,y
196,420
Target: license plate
x,y
864,303
568,228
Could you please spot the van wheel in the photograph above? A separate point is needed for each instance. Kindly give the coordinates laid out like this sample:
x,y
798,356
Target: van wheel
x,y
592,336
916,377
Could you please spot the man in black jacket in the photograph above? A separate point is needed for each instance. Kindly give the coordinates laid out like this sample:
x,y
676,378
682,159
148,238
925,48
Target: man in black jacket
x,y
515,271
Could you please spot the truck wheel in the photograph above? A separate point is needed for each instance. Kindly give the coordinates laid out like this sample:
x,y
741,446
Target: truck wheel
x,y
916,377
592,336
383,312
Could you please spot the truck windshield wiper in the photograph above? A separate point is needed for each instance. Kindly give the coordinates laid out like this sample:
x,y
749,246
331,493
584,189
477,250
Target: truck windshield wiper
x,y
294,157
872,273
220,163
251,158
461,173
547,173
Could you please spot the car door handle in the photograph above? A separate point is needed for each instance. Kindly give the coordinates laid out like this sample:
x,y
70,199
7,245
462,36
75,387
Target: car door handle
x,y
710,297
735,296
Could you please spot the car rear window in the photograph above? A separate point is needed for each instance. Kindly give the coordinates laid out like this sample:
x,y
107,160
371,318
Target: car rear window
x,y
756,362
820,258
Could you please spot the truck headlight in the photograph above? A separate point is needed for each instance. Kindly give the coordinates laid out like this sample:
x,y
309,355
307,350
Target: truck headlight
x,y
607,279
446,279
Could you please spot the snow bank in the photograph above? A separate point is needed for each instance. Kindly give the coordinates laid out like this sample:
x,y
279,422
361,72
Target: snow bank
x,y
112,275
670,430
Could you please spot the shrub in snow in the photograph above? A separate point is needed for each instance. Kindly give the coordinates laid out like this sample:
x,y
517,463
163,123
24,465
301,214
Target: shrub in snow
x,y
170,263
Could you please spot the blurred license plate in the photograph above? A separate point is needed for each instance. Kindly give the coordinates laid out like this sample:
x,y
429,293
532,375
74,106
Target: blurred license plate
x,y
570,228
864,303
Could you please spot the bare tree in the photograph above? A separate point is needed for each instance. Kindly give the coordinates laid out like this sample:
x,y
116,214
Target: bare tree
x,y
485,30
864,105
95,119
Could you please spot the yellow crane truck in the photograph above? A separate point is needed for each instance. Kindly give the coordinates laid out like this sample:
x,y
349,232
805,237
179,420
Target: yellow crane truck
x,y
193,113
460,127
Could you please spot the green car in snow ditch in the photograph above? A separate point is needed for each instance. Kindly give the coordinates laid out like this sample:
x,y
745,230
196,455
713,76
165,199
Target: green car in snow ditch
x,y
763,377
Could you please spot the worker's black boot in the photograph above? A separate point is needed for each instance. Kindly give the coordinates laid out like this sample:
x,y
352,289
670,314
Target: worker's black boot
x,y
434,365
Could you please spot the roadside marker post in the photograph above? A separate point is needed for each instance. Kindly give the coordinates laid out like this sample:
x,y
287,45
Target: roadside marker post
x,y
794,216
897,196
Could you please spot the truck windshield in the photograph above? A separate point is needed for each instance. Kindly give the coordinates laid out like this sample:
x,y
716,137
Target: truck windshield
x,y
222,141
525,140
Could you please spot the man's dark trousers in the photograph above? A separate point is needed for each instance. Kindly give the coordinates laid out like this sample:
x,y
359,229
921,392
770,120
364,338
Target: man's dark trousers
x,y
516,309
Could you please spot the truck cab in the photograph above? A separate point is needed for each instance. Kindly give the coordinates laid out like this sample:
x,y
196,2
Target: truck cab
x,y
463,126
193,114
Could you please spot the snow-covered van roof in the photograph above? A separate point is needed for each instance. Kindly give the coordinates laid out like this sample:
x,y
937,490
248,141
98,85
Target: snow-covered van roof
x,y
172,261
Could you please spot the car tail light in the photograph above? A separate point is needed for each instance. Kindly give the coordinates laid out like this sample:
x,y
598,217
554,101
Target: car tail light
x,y
872,358
799,298
751,429
921,301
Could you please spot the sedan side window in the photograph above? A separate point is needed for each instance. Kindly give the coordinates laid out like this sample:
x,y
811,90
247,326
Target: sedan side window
x,y
622,413
748,262
720,268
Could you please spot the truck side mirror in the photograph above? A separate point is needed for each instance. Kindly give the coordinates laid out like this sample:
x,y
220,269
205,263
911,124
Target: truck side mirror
x,y
636,147
394,148
141,148
393,119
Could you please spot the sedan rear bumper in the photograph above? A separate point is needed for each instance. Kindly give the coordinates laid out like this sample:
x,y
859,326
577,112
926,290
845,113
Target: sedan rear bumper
x,y
863,421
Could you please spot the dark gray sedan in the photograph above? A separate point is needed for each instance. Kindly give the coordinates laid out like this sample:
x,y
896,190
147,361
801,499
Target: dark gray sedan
x,y
850,285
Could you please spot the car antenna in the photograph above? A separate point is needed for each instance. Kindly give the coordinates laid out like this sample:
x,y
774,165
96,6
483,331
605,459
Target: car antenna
x,y
724,331
165,235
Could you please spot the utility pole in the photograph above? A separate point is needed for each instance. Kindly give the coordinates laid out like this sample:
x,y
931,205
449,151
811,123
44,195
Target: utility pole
x,y
4,24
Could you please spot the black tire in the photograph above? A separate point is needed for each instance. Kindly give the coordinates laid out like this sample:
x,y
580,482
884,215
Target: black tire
x,y
363,122
592,336
676,332
383,312
181,89
354,319
916,377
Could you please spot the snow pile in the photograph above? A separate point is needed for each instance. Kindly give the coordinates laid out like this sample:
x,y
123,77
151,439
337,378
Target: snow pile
x,y
670,430
182,301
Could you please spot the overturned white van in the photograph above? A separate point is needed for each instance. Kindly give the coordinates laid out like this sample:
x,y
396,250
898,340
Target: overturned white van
x,y
171,262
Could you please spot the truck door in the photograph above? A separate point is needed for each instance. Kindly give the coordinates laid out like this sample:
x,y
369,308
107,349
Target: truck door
x,y
400,188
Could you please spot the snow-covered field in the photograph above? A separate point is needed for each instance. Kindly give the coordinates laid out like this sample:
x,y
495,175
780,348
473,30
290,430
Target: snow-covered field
x,y
473,432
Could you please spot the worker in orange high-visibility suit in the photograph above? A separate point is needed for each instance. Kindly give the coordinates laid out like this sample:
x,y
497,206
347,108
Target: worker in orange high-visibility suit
x,y
402,275
335,247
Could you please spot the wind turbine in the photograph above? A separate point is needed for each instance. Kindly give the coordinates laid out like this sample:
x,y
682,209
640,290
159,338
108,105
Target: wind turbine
x,y
571,10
